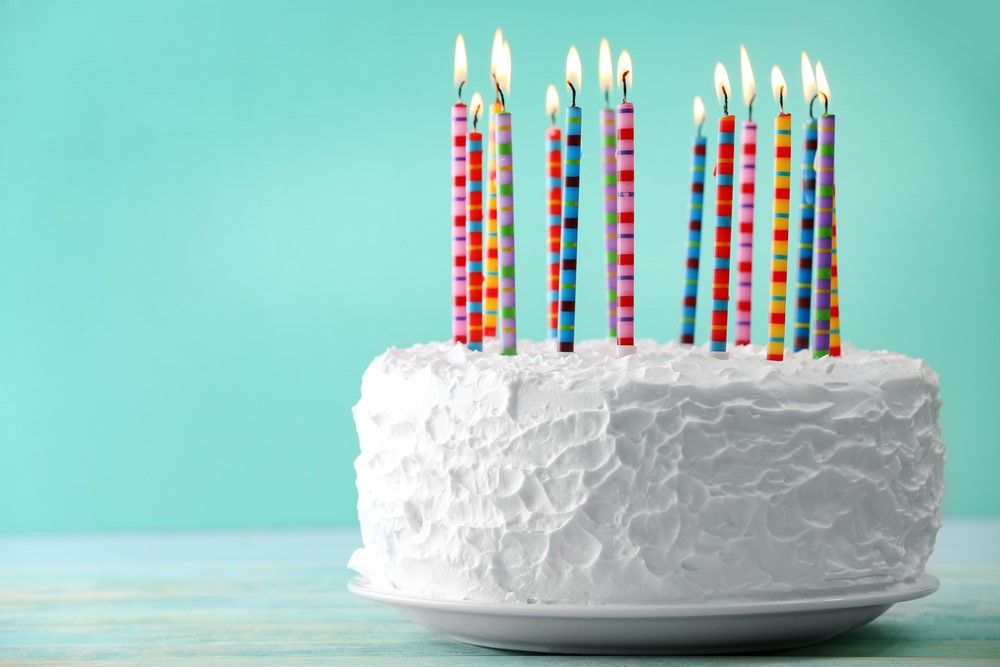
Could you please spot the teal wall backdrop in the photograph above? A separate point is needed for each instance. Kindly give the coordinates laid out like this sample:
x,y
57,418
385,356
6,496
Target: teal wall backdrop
x,y
214,214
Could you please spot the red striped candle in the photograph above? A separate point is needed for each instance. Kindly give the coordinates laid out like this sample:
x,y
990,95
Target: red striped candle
x,y
474,217
553,184
834,286
723,216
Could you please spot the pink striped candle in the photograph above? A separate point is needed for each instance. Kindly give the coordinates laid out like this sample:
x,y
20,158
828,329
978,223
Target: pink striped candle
x,y
744,254
459,127
625,153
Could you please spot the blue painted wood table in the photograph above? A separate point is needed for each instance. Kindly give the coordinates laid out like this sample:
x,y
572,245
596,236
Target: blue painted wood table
x,y
279,597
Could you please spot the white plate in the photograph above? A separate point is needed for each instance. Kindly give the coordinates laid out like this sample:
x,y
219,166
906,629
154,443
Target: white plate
x,y
679,629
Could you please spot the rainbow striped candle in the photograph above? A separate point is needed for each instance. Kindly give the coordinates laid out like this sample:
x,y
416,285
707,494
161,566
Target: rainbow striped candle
x,y
625,123
492,255
505,208
608,166
803,292
723,216
834,287
570,220
553,183
689,304
825,179
779,235
475,231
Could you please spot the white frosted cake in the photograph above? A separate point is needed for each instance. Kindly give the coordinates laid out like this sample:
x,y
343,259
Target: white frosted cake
x,y
671,475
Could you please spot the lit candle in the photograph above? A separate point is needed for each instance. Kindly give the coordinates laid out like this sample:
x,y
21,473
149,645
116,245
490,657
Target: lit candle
x,y
689,305
779,233
492,257
553,183
459,126
748,169
723,214
803,291
608,162
834,287
625,123
475,226
505,210
824,220
571,207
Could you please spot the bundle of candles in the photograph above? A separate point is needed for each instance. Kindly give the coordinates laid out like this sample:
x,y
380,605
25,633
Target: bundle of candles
x,y
483,301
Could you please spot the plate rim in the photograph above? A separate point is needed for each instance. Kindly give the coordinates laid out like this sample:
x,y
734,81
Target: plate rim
x,y
922,586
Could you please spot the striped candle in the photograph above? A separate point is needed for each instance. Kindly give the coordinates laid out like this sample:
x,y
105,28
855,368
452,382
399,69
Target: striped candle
x,y
492,257
505,210
475,243
608,162
459,126
834,287
824,234
625,122
689,305
723,233
570,219
744,253
779,236
803,291
553,182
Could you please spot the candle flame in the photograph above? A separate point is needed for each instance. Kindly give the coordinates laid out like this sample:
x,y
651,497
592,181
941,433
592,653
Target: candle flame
x,y
699,110
574,70
461,64
604,66
808,79
503,68
746,75
625,67
551,100
497,51
822,85
476,105
722,82
778,86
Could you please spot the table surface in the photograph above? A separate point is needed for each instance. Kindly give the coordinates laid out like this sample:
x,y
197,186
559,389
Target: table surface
x,y
278,597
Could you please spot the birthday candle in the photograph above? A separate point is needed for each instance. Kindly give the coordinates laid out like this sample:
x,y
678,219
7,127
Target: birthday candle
x,y
689,304
803,291
748,168
608,167
779,233
723,215
824,219
834,287
475,227
459,126
625,122
505,209
492,253
553,182
571,208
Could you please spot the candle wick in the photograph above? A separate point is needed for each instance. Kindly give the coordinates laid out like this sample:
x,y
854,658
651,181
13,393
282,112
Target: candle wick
x,y
475,118
781,99
811,102
701,126
725,101
500,97
553,117
625,86
607,97
826,104
573,91
460,86
753,99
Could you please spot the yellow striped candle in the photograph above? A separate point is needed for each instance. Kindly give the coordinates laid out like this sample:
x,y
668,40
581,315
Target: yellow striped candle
x,y
779,234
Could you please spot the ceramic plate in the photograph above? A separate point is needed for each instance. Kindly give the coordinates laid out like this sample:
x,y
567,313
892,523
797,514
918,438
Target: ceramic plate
x,y
728,627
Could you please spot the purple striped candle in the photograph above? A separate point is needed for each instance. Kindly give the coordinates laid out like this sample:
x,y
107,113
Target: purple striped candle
x,y
824,234
505,225
608,164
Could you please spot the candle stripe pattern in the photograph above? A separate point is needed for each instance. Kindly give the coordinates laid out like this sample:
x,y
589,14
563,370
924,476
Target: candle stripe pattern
x,y
553,183
824,234
505,211
625,123
474,283
723,233
608,162
459,126
779,236
803,291
492,257
834,287
689,304
744,257
570,220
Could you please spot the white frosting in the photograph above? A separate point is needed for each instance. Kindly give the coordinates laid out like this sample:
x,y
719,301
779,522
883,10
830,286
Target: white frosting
x,y
671,475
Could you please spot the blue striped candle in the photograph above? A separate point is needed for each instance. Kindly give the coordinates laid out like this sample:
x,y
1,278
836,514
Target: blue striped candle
x,y
803,291
690,300
571,206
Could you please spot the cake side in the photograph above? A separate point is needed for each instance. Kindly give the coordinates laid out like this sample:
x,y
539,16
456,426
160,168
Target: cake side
x,y
667,476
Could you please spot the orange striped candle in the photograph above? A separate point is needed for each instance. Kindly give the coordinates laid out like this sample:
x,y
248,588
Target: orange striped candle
x,y
779,234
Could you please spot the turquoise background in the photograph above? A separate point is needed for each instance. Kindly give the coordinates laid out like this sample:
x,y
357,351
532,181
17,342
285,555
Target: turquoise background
x,y
214,214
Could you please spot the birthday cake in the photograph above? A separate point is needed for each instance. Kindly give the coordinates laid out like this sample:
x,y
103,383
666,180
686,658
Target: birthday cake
x,y
670,475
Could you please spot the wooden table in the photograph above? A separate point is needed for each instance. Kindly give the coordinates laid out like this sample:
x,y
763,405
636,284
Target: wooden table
x,y
278,597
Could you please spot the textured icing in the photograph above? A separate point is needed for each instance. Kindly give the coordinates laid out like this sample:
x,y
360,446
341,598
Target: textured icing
x,y
669,476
